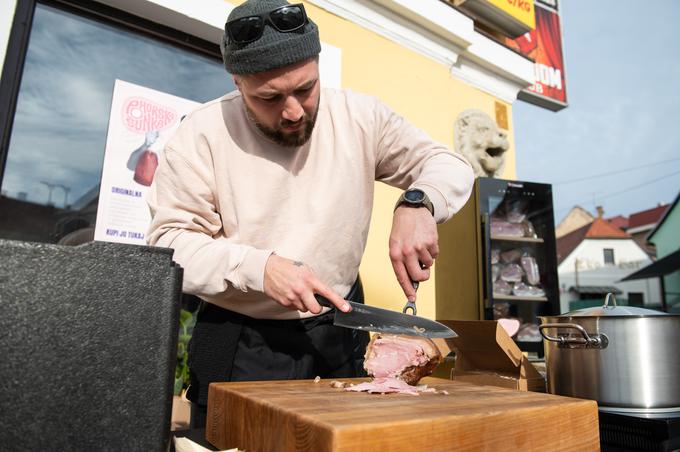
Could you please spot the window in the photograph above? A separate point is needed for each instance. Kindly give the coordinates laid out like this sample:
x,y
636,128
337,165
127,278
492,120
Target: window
x,y
51,180
608,256
636,299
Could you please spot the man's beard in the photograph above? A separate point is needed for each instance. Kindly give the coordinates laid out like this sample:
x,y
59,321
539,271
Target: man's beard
x,y
294,139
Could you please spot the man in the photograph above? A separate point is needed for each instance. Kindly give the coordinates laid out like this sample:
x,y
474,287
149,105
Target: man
x,y
266,194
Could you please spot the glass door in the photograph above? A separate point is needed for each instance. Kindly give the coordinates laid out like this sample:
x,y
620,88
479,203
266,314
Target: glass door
x,y
519,256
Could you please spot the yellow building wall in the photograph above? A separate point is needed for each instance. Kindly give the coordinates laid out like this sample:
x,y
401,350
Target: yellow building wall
x,y
425,93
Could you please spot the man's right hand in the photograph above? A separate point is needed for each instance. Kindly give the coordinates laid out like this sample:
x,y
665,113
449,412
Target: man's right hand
x,y
293,284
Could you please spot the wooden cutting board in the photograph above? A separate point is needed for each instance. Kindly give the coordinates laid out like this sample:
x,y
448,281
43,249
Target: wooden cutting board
x,y
306,416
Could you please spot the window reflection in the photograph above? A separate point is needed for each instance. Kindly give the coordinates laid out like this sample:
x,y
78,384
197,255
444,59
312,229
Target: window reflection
x,y
51,180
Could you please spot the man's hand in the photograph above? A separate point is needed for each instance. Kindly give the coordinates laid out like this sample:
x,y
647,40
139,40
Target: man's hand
x,y
293,284
413,246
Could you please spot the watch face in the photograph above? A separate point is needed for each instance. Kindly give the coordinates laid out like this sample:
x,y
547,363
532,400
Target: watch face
x,y
414,195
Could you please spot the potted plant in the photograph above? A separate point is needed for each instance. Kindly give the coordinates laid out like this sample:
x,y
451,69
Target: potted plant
x,y
181,407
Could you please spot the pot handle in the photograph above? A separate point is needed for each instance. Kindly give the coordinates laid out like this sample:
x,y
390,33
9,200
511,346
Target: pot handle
x,y
594,341
606,300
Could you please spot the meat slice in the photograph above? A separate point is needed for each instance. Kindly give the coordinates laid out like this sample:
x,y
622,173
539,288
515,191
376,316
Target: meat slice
x,y
385,386
405,358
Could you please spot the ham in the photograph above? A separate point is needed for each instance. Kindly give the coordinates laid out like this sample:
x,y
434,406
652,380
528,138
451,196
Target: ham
x,y
389,385
408,358
397,363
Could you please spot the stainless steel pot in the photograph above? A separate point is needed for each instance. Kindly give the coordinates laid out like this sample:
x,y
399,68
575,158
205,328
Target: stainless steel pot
x,y
624,357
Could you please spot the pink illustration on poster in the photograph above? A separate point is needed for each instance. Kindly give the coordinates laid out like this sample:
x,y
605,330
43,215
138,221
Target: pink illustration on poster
x,y
140,123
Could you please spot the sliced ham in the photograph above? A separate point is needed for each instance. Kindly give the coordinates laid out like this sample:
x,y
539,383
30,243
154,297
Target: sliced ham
x,y
386,386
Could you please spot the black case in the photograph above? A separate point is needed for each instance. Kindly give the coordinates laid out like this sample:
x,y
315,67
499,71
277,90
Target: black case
x,y
89,340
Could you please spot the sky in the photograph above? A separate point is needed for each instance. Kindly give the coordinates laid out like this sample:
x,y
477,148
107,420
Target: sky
x,y
617,144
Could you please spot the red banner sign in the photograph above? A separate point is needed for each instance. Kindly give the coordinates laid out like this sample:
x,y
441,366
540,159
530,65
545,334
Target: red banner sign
x,y
544,46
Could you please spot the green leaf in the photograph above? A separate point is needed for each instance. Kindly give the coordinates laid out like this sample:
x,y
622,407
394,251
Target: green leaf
x,y
179,384
184,316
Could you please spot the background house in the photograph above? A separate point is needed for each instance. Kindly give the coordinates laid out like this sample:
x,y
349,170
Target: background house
x,y
666,238
640,224
593,259
575,219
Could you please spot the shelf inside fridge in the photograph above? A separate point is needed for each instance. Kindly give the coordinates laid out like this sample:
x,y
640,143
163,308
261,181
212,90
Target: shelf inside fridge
x,y
518,298
516,239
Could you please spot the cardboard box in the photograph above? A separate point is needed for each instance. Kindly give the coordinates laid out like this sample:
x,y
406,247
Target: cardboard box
x,y
181,413
486,355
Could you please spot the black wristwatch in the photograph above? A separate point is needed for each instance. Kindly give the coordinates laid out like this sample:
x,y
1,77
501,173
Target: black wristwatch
x,y
415,197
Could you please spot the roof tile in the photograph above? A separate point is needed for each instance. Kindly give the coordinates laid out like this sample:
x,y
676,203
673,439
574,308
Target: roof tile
x,y
619,221
601,229
649,216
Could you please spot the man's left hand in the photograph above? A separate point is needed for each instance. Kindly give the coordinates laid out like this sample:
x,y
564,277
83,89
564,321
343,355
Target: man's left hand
x,y
414,245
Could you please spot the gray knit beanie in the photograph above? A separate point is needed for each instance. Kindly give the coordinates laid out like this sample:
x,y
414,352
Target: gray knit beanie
x,y
274,49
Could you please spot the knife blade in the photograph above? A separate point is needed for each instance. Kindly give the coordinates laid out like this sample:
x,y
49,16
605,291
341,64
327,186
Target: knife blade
x,y
370,318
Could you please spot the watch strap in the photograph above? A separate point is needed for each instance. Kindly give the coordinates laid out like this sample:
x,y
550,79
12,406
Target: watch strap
x,y
425,202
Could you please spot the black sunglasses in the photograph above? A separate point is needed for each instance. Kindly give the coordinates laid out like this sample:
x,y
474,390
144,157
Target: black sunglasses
x,y
284,19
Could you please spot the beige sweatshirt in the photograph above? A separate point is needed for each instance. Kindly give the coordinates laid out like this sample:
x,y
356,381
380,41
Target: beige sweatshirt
x,y
224,197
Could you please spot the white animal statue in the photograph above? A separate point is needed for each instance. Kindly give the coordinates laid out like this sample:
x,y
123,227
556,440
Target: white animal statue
x,y
481,141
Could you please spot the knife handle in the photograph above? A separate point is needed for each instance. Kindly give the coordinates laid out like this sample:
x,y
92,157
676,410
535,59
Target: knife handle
x,y
323,301
411,304
415,285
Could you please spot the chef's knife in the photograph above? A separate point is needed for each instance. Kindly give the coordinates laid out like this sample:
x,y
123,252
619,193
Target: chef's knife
x,y
370,318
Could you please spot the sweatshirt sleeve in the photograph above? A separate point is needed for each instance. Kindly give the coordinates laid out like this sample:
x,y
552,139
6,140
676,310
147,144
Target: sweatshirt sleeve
x,y
408,158
184,218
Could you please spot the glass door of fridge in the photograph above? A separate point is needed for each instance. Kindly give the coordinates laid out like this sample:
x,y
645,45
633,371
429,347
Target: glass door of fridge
x,y
519,256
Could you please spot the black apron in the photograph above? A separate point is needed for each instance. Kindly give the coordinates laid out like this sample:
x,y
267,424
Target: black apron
x,y
228,346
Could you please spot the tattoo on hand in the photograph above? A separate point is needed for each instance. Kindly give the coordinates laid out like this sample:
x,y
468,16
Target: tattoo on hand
x,y
298,263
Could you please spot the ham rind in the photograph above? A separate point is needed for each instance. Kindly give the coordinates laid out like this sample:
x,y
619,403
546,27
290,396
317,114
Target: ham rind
x,y
405,358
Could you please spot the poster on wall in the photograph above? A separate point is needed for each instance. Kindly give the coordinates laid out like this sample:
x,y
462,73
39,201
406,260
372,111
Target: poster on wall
x,y
543,45
140,123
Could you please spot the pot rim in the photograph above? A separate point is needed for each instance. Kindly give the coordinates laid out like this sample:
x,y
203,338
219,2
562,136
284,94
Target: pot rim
x,y
614,311
544,318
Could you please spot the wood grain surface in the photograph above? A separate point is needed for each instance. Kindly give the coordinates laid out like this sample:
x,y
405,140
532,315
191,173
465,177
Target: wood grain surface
x,y
306,416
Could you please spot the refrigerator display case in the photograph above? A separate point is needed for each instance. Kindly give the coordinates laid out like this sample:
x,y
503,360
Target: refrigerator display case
x,y
498,258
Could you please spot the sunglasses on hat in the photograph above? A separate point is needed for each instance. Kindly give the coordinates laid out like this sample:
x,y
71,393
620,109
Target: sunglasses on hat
x,y
284,19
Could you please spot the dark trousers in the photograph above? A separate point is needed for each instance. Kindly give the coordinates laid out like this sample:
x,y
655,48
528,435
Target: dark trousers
x,y
227,346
